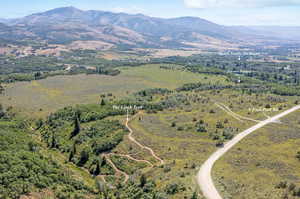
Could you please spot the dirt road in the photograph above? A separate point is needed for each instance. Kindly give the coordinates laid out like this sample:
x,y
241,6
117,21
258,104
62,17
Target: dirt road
x,y
204,179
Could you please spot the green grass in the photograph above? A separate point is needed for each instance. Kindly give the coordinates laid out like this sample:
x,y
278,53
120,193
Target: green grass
x,y
39,98
168,78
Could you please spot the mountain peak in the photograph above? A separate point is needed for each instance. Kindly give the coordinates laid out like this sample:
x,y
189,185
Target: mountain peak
x,y
63,10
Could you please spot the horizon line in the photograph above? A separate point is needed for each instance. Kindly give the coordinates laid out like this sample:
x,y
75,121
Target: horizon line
x,y
135,14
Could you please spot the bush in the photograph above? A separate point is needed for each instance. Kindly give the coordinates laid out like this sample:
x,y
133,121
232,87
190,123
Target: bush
x,y
172,189
298,155
167,169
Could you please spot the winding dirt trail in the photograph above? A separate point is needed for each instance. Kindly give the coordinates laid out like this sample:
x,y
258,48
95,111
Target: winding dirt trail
x,y
132,158
233,114
116,168
131,138
204,178
224,109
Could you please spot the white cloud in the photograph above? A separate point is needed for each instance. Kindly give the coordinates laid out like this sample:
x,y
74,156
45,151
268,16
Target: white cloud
x,y
239,3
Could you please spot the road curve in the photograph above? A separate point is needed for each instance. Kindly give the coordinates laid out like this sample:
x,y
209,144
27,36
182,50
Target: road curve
x,y
204,179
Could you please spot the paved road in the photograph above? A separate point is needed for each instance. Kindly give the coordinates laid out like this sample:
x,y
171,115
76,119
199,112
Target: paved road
x,y
204,175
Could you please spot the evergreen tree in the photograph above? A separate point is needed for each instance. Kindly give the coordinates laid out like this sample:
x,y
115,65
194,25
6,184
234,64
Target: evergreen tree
x,y
2,114
143,180
97,169
1,89
76,129
84,157
53,142
194,196
72,152
103,162
71,155
102,103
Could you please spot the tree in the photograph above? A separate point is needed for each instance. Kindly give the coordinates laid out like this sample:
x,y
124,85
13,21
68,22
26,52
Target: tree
x,y
84,157
71,155
298,155
201,129
97,170
76,129
2,113
268,106
200,126
194,196
297,192
103,161
1,89
172,189
33,147
53,142
102,103
219,125
220,143
37,75
39,123
212,111
173,124
282,185
72,152
143,180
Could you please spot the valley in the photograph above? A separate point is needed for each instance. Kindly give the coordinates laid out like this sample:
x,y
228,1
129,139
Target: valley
x,y
109,105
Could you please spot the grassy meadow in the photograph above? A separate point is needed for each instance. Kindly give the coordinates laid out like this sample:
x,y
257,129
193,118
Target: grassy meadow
x,y
40,97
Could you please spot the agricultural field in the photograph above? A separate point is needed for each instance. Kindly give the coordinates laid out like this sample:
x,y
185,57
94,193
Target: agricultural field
x,y
270,156
44,96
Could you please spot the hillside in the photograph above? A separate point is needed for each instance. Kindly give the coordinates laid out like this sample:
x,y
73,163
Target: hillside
x,y
65,25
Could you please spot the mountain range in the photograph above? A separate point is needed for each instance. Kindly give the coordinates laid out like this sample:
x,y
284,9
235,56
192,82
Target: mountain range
x,y
69,24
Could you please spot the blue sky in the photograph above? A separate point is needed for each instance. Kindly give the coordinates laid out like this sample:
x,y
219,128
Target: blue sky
x,y
226,12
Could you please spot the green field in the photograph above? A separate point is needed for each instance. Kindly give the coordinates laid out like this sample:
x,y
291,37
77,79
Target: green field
x,y
255,167
47,95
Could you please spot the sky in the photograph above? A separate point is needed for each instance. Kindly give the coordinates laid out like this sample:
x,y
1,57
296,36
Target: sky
x,y
225,12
